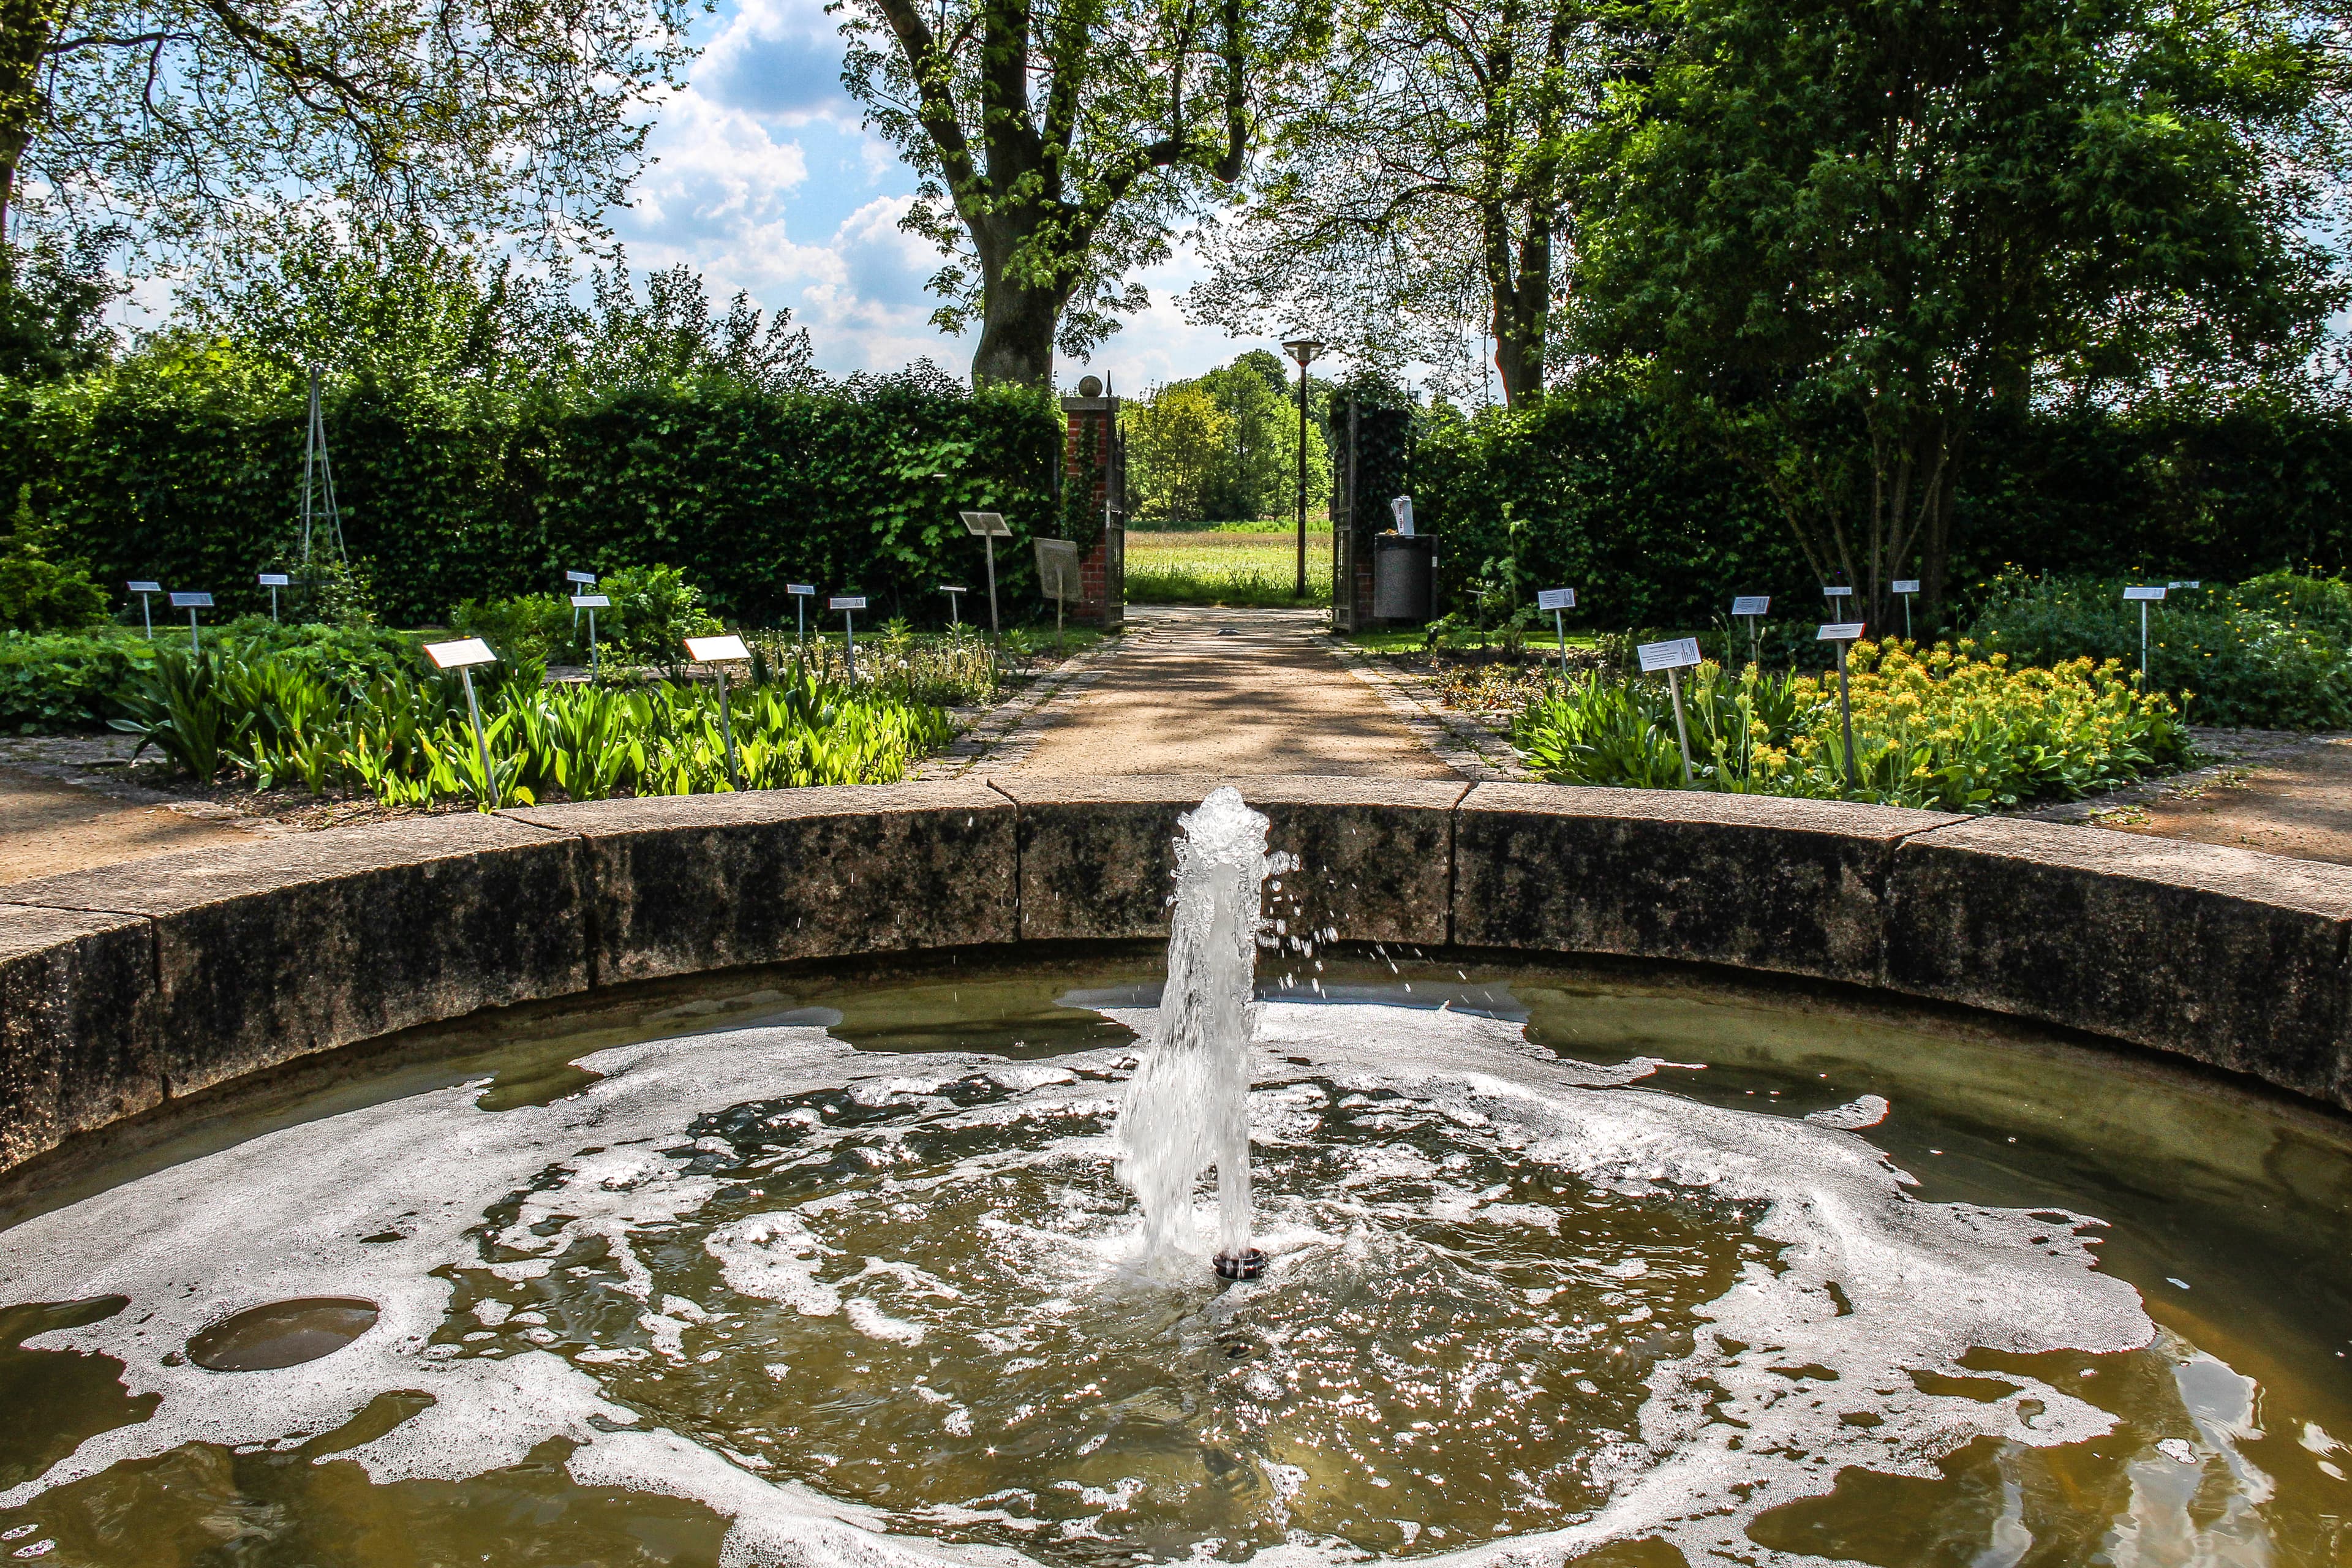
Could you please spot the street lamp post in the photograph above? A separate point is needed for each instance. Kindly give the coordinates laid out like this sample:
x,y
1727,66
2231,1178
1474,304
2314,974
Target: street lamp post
x,y
1304,351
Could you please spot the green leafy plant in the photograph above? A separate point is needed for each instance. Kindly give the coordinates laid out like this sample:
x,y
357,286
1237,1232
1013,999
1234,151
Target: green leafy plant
x,y
182,707
37,593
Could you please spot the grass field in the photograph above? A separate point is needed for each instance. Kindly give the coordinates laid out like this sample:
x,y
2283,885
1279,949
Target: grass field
x,y
1225,567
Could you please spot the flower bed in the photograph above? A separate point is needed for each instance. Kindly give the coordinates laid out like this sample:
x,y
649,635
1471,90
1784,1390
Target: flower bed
x,y
1947,729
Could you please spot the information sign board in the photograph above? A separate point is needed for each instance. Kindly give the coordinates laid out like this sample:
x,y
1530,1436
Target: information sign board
x,y
1839,631
1752,604
192,600
460,654
1555,598
710,651
1676,655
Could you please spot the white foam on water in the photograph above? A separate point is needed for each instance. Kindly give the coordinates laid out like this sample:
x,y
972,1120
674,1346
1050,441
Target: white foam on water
x,y
1871,1284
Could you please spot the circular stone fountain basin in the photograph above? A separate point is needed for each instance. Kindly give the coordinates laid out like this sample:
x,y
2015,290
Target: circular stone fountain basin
x,y
784,1266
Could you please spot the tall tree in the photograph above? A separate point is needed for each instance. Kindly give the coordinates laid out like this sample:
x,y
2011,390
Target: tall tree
x,y
1058,140
173,121
1423,195
1844,230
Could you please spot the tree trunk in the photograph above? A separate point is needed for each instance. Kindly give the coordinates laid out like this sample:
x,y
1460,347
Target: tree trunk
x,y
1016,336
1522,296
26,28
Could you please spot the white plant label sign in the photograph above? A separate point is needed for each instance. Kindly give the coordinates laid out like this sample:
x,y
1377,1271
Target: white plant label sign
x,y
580,577
804,589
192,600
276,580
1752,604
146,587
1907,585
1840,631
591,601
1679,654
2135,594
991,523
1555,598
1837,592
859,603
710,651
459,654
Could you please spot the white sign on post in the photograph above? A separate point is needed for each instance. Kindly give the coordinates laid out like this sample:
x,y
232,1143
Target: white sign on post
x,y
1840,631
2134,595
986,525
276,580
847,602
710,651
1905,585
461,654
591,601
146,587
580,577
1751,605
2192,582
1837,592
1555,598
1400,509
803,589
1676,655
192,600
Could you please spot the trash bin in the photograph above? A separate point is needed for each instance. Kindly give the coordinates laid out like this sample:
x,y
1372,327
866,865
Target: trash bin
x,y
1401,576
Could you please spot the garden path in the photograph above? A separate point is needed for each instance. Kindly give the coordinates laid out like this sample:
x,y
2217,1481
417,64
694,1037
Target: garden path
x,y
1225,691
2299,805
49,826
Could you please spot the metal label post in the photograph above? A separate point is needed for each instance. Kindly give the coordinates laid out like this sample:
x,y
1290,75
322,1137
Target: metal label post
x,y
1679,654
1843,633
592,603
2143,597
192,603
715,652
146,613
1058,574
848,606
955,593
273,581
1904,588
989,527
581,583
462,656
1755,606
801,593
1556,600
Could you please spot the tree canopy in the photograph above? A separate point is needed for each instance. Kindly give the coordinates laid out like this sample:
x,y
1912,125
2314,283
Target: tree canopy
x,y
1844,230
1422,191
181,124
1059,142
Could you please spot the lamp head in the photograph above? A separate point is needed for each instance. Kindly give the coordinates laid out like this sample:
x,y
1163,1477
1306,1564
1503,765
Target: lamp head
x,y
1303,350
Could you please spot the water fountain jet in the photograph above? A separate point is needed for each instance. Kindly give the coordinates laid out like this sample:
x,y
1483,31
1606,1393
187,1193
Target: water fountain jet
x,y
1188,1105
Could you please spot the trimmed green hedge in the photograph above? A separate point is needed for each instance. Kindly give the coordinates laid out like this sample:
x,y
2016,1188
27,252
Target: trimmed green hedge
x,y
1655,529
188,472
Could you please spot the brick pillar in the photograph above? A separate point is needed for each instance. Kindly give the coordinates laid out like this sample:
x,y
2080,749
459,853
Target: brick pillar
x,y
1094,463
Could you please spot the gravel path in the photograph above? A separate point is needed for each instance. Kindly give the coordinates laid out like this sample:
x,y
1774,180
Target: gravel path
x,y
1224,691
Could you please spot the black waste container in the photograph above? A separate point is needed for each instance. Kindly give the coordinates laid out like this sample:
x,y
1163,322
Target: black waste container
x,y
1402,577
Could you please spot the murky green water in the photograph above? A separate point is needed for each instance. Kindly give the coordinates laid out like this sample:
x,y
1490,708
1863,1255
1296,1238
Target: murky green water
x,y
910,1294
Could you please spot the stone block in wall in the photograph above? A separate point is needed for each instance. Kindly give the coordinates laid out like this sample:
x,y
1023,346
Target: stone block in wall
x,y
271,951
2235,958
1794,886
686,883
1098,858
77,1024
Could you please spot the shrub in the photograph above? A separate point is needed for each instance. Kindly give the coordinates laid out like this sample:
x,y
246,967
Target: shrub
x,y
37,593
2273,652
65,680
1945,729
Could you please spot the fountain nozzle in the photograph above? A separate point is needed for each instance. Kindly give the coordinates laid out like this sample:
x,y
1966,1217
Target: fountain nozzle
x,y
1248,1265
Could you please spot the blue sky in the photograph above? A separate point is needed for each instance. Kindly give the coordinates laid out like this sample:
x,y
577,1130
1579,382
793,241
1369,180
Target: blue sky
x,y
764,181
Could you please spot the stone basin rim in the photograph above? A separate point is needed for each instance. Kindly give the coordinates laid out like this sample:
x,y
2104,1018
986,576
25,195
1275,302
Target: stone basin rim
x,y
124,986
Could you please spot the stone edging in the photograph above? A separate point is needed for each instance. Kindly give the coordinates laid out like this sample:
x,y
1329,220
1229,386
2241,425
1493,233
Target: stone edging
x,y
127,985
